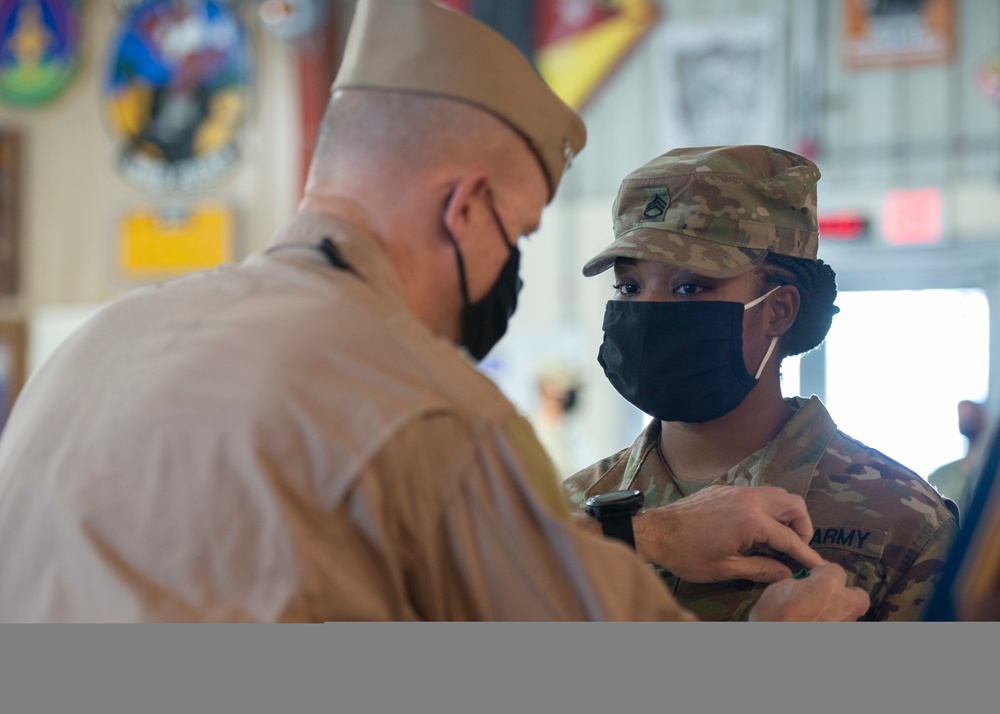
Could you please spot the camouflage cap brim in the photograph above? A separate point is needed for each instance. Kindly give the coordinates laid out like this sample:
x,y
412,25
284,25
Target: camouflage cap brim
x,y
698,256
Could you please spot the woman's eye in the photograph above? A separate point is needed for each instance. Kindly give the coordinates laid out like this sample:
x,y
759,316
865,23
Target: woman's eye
x,y
688,289
625,288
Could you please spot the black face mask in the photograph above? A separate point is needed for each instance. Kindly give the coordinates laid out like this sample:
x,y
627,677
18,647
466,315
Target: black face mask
x,y
678,361
485,321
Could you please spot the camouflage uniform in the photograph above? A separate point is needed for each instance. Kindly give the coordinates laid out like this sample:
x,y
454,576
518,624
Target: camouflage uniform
x,y
877,519
719,212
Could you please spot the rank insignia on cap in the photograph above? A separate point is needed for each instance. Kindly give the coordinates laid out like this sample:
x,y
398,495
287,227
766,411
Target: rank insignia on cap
x,y
657,205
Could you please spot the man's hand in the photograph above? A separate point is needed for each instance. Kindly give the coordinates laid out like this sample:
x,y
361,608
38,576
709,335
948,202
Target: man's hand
x,y
820,597
702,537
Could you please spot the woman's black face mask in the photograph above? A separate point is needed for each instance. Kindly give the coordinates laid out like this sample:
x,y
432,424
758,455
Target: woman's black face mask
x,y
678,361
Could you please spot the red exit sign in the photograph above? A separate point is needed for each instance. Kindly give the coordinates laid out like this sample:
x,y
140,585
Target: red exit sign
x,y
912,216
842,226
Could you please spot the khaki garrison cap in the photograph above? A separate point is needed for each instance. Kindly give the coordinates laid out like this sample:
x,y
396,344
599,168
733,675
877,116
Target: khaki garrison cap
x,y
715,210
418,46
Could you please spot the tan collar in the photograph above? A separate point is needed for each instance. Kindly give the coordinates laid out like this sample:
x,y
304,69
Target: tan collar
x,y
361,249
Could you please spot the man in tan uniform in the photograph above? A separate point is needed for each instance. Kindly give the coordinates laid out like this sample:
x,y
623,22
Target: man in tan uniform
x,y
717,280
296,437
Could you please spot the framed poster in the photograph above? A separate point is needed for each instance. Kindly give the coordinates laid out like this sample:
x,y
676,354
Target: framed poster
x,y
580,44
576,45
10,211
989,79
881,33
721,82
12,364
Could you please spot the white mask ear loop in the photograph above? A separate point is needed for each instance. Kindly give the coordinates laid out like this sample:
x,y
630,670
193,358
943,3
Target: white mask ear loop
x,y
774,340
759,300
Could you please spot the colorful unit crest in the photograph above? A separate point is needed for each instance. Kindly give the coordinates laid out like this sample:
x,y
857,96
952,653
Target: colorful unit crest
x,y
176,90
39,49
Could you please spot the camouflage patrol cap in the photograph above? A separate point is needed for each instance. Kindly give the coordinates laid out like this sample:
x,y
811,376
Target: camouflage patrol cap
x,y
715,210
419,46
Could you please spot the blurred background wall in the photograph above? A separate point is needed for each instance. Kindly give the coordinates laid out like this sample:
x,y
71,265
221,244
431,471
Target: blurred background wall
x,y
898,102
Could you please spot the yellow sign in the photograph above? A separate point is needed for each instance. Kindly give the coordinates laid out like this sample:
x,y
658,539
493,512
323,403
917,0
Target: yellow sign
x,y
164,243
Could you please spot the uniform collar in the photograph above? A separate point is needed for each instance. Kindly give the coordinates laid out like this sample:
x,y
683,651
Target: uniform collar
x,y
361,249
643,450
642,455
789,460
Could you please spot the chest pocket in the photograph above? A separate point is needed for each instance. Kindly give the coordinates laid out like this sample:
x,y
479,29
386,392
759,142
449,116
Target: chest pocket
x,y
857,550
714,602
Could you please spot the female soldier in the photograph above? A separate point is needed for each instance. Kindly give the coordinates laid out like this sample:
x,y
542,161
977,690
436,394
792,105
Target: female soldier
x,y
717,280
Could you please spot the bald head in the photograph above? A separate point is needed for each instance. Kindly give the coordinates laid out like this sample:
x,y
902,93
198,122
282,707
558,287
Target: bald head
x,y
382,139
972,419
428,177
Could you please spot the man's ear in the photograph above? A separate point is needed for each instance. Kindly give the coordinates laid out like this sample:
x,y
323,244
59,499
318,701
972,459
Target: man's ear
x,y
459,214
785,304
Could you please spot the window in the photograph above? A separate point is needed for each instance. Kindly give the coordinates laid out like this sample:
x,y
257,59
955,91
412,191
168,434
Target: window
x,y
897,364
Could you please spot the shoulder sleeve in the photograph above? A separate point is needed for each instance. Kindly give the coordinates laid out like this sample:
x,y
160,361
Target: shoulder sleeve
x,y
910,594
483,532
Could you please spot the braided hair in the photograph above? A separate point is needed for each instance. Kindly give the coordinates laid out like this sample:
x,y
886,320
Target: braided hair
x,y
817,286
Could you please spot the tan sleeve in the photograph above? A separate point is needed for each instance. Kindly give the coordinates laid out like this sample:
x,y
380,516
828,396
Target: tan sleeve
x,y
484,533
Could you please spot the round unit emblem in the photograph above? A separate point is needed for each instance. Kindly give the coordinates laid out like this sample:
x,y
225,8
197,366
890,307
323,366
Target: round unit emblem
x,y
39,49
177,91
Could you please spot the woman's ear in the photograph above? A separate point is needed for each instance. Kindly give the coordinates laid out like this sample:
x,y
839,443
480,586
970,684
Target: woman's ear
x,y
785,303
459,217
